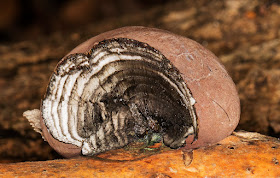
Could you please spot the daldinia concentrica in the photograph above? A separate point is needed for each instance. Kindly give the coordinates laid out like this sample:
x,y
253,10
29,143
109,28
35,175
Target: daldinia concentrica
x,y
132,82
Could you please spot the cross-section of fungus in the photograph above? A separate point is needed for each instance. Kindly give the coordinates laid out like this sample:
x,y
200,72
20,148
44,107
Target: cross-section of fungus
x,y
136,84
120,91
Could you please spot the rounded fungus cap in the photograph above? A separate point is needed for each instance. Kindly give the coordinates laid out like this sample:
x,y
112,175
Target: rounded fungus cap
x,y
217,104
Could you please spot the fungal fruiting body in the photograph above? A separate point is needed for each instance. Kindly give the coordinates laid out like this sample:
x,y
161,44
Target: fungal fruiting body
x,y
120,91
125,84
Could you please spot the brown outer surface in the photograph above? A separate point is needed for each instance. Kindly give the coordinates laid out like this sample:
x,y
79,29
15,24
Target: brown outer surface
x,y
217,102
235,156
66,150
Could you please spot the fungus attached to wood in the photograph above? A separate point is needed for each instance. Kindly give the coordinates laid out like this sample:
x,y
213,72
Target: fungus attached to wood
x,y
133,83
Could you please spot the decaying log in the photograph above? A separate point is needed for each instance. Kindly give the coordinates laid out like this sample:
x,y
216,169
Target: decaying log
x,y
241,154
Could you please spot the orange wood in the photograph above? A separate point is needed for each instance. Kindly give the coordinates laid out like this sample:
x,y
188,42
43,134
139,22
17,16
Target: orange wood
x,y
235,156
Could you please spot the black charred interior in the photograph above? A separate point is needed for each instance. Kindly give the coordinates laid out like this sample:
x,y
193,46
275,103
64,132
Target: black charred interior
x,y
143,95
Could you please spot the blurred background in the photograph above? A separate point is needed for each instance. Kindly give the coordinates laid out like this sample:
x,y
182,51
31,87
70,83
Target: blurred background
x,y
35,35
25,19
